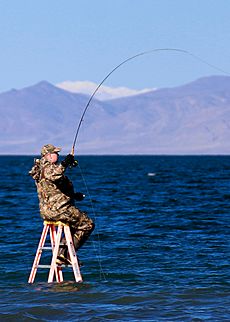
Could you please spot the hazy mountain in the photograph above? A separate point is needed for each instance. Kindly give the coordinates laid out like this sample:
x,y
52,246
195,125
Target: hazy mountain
x,y
42,113
194,118
190,119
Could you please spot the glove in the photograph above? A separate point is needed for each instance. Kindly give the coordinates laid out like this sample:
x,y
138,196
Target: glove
x,y
79,196
69,161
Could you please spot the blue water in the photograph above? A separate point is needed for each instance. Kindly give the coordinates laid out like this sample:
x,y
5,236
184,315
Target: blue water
x,y
160,252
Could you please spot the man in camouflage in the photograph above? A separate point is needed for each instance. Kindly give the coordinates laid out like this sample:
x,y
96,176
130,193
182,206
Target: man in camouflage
x,y
56,197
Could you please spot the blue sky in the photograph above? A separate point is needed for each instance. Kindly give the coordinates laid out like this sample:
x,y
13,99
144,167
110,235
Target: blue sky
x,y
57,40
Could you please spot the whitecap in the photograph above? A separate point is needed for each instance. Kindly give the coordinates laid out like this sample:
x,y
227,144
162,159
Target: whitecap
x,y
151,174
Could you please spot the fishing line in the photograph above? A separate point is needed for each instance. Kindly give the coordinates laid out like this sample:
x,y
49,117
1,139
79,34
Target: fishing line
x,y
178,50
97,251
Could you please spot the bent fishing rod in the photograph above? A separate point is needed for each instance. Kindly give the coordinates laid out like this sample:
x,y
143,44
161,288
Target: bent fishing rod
x,y
177,50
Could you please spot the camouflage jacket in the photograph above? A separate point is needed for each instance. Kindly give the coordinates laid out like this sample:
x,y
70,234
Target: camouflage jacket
x,y
55,190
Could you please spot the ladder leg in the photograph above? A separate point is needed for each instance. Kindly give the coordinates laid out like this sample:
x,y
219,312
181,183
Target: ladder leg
x,y
55,253
58,269
38,254
72,253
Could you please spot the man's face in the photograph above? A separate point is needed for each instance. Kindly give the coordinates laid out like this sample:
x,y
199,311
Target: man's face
x,y
52,157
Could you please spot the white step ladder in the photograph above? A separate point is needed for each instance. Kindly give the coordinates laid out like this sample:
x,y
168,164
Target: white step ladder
x,y
55,238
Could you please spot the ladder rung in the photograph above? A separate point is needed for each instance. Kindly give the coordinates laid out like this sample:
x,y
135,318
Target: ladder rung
x,y
50,247
48,266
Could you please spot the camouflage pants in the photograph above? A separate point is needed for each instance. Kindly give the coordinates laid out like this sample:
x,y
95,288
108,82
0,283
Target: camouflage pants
x,y
81,226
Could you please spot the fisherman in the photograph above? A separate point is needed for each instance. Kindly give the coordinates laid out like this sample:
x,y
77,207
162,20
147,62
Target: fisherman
x,y
56,197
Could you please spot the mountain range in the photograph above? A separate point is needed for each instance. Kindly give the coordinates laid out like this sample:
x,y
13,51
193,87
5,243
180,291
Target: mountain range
x,y
189,119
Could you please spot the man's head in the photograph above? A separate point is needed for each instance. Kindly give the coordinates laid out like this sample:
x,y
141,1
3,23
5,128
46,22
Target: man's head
x,y
50,152
49,148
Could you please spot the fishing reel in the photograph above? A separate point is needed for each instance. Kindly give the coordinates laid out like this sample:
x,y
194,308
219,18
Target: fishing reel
x,y
69,161
78,196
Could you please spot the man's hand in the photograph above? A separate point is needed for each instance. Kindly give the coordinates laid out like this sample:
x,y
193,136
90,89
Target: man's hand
x,y
79,196
69,161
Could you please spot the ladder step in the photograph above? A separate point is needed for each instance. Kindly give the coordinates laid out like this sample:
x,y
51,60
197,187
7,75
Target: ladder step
x,y
48,266
50,247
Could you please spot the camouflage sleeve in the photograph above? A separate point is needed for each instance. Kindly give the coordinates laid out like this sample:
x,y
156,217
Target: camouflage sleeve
x,y
53,172
35,171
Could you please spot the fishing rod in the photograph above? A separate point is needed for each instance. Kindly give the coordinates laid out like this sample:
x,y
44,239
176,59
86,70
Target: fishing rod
x,y
178,50
182,51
